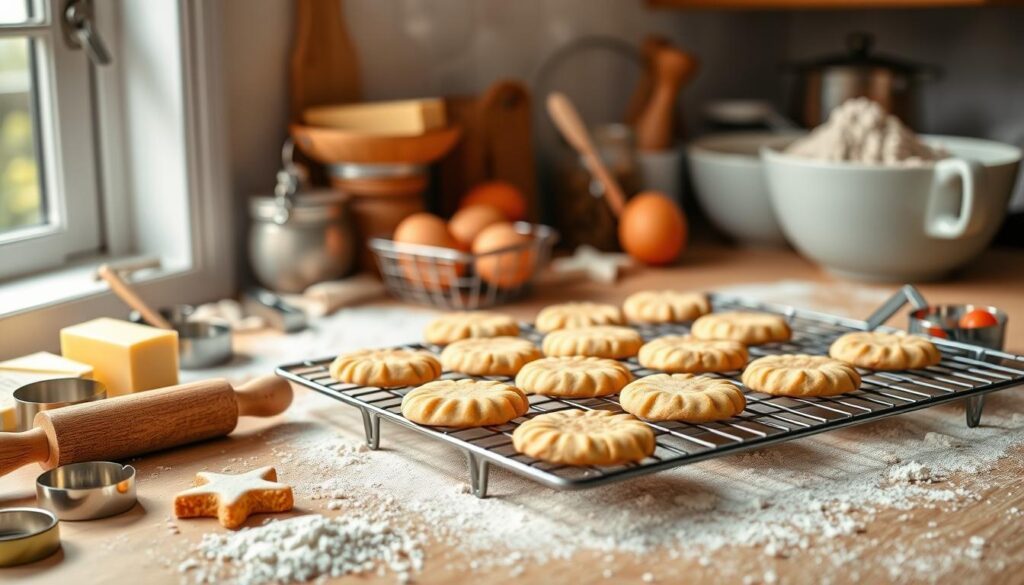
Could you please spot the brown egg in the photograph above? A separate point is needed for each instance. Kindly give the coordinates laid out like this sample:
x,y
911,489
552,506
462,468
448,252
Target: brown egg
x,y
424,269
504,269
652,229
468,222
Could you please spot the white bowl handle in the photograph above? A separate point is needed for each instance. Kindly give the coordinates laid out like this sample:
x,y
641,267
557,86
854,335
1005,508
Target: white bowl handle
x,y
939,220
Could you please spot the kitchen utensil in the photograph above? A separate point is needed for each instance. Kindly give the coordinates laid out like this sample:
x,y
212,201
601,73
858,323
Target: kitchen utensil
x,y
87,491
36,397
324,67
138,423
672,68
447,278
200,344
823,84
130,298
277,313
731,186
568,121
943,321
894,223
966,372
27,535
644,85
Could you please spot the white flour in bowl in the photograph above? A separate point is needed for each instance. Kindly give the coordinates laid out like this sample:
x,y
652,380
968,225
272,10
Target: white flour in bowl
x,y
861,131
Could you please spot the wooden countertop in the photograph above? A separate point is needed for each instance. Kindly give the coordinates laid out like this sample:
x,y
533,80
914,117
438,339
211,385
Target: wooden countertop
x,y
138,546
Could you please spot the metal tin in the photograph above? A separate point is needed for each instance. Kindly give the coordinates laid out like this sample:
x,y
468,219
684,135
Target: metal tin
x,y
33,398
27,535
943,321
200,344
87,491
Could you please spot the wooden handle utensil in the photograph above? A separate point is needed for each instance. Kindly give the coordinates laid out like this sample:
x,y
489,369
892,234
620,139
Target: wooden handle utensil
x,y
568,121
130,298
125,426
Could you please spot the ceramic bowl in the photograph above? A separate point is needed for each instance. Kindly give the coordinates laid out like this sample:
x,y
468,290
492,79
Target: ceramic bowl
x,y
894,224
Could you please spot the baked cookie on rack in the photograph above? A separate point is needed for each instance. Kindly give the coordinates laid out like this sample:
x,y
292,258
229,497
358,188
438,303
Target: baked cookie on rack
x,y
605,341
489,356
687,354
885,351
386,368
584,437
466,324
573,377
683,397
746,328
574,315
665,306
464,403
800,375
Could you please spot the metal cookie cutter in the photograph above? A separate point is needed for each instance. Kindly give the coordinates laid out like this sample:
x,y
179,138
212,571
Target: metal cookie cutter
x,y
36,397
87,491
27,535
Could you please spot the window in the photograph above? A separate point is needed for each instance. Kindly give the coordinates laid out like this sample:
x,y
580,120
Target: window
x,y
49,205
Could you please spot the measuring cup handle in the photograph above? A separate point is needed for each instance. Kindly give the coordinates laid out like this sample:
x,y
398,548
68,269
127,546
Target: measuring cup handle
x,y
952,210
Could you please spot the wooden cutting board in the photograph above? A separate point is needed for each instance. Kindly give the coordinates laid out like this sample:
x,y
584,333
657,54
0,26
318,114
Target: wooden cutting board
x,y
324,63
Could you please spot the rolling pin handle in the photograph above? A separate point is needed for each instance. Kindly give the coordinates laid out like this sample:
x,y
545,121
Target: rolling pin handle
x,y
20,449
264,396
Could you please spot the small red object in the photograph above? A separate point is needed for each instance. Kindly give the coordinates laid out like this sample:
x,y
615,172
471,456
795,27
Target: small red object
x,y
938,332
977,319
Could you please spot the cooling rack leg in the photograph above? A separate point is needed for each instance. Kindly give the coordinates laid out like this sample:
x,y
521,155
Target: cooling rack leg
x,y
371,424
478,471
975,404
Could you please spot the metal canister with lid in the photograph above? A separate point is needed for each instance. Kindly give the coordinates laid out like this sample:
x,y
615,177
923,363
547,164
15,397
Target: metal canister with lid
x,y
299,237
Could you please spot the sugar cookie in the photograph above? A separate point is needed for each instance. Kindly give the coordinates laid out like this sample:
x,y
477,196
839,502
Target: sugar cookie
x,y
665,306
465,324
800,375
464,403
232,498
682,397
683,353
489,356
386,367
606,341
573,315
746,328
885,351
584,437
573,377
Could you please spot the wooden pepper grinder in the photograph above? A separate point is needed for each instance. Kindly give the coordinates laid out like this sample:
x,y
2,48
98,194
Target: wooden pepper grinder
x,y
642,94
672,69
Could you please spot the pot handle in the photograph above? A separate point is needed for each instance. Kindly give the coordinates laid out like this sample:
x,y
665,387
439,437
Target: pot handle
x,y
952,211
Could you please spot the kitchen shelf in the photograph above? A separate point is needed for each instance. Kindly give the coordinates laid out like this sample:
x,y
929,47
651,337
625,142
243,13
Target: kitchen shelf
x,y
822,4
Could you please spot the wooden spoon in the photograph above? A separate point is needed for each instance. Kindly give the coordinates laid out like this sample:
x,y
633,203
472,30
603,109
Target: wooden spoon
x,y
568,121
127,294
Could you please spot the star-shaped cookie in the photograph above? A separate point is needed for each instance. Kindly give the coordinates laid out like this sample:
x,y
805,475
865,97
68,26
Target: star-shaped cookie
x,y
232,498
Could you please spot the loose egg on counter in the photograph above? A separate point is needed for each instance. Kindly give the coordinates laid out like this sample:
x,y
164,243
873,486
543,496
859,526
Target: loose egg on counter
x,y
468,222
652,229
505,196
426,229
505,269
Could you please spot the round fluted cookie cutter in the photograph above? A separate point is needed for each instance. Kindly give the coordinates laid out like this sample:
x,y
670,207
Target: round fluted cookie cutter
x,y
27,535
87,491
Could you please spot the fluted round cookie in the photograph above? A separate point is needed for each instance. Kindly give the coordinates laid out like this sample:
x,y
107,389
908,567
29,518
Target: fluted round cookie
x,y
464,403
605,341
665,306
746,328
684,397
584,437
573,377
885,351
800,375
489,356
385,368
574,315
684,353
466,324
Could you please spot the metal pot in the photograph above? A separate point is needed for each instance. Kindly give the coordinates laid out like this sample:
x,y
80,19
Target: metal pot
x,y
825,83
299,239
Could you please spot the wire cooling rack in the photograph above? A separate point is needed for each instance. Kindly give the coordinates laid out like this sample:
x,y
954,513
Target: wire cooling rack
x,y
965,372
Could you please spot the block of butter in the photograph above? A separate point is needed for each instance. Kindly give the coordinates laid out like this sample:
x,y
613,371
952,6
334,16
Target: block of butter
x,y
397,118
17,372
126,357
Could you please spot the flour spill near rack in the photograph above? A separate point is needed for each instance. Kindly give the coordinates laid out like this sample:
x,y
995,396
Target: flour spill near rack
x,y
965,372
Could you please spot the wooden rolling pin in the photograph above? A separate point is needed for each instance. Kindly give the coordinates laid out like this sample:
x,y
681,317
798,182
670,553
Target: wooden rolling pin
x,y
125,426
672,69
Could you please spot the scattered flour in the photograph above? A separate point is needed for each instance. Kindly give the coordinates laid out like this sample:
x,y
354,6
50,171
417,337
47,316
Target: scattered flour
x,y
861,131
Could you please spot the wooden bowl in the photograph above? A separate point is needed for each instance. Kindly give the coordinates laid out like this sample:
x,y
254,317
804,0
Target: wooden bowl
x,y
334,145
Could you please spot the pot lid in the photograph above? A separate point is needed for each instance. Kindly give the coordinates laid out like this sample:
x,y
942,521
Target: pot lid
x,y
859,47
